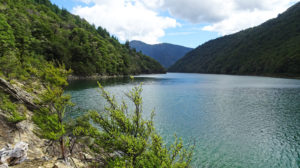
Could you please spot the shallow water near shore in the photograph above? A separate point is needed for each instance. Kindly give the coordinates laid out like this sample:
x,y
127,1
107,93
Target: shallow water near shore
x,y
236,121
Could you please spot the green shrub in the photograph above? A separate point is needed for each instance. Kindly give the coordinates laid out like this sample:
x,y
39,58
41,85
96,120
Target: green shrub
x,y
131,139
10,109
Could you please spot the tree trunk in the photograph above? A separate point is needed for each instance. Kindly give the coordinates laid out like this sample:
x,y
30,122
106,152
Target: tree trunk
x,y
62,147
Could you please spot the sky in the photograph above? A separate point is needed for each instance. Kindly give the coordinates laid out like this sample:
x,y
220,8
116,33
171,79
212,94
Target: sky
x,y
184,22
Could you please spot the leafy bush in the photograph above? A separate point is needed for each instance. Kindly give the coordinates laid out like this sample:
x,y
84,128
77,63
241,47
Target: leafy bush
x,y
131,139
10,109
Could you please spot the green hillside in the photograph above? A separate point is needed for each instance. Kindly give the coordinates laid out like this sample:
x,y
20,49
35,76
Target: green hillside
x,y
272,48
37,29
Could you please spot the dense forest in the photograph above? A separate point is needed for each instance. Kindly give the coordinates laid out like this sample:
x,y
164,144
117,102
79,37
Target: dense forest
x,y
165,53
272,48
37,29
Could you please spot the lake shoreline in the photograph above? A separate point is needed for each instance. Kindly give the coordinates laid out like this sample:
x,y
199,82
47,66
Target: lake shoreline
x,y
95,77
282,76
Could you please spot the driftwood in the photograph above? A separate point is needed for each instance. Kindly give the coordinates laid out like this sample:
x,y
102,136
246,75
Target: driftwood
x,y
18,94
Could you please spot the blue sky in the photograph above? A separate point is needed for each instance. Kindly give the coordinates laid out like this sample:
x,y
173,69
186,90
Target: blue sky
x,y
183,22
67,4
189,35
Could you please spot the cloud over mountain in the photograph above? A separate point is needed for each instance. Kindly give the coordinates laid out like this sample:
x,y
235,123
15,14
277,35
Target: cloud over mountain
x,y
145,19
226,16
129,20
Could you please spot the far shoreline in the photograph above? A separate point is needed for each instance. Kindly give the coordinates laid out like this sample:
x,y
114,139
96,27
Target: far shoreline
x,y
282,76
94,77
97,76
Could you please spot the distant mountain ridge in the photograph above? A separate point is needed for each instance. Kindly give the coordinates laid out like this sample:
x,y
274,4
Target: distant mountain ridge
x,y
272,48
165,53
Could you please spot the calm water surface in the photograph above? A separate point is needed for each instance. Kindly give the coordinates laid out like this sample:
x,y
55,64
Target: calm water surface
x,y
237,121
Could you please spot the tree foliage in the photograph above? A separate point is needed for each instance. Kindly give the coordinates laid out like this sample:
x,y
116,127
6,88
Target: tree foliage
x,y
7,40
31,28
131,140
50,117
10,109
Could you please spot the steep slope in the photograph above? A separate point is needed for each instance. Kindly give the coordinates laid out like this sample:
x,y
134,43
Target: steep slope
x,y
273,48
164,53
40,29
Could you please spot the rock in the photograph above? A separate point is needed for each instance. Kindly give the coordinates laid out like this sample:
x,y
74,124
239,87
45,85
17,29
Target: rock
x,y
45,158
11,156
85,156
4,166
22,126
19,94
61,164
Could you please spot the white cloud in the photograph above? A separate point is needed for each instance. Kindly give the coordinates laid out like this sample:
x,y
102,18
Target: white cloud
x,y
140,19
127,19
248,15
198,11
240,20
226,16
153,4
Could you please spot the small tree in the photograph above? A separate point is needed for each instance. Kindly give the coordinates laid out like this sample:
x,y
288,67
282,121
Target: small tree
x,y
132,141
50,116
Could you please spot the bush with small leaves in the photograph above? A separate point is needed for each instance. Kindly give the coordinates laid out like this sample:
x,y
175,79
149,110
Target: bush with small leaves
x,y
130,140
10,109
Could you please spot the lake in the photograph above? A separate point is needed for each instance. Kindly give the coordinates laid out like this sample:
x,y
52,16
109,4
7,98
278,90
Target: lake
x,y
237,121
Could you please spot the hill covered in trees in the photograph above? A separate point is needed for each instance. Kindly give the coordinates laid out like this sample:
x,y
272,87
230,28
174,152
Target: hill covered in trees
x,y
37,29
272,48
165,53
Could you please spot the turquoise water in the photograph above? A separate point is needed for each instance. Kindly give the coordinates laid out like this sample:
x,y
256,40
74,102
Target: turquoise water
x,y
237,121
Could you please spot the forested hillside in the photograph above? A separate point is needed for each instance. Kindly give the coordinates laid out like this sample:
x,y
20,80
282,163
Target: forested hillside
x,y
37,29
273,48
165,53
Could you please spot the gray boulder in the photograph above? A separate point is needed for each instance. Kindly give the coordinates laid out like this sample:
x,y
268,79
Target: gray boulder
x,y
10,156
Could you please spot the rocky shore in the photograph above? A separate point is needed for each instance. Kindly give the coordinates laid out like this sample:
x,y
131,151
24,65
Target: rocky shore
x,y
20,146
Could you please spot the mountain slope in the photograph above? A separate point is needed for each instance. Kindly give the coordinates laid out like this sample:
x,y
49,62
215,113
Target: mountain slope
x,y
164,53
40,29
272,48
